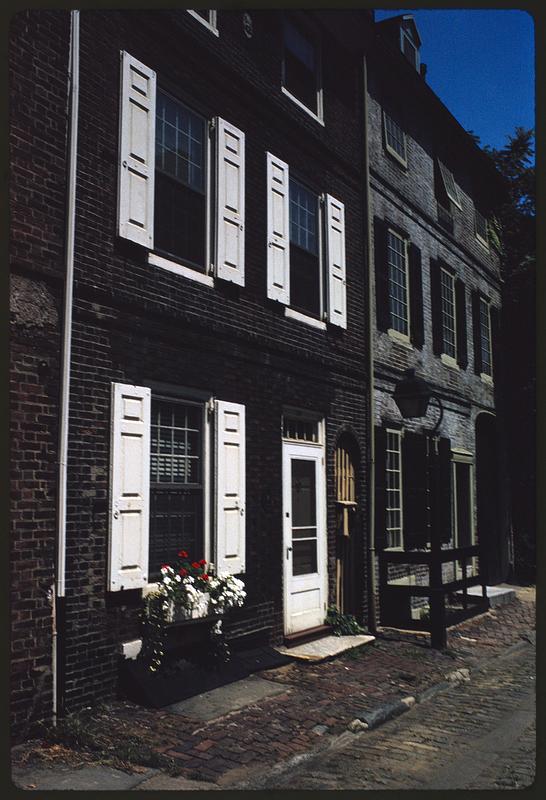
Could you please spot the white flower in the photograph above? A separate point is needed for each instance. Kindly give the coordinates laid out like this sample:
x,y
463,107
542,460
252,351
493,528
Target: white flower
x,y
177,578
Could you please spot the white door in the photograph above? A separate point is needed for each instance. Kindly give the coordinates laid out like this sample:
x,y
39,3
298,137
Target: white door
x,y
304,553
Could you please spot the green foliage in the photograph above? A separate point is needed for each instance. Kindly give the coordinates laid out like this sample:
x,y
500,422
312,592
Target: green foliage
x,y
343,624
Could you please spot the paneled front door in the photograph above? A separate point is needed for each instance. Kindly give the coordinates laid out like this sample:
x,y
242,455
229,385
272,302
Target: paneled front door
x,y
304,553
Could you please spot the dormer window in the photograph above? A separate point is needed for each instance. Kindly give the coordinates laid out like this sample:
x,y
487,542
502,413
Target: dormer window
x,y
410,41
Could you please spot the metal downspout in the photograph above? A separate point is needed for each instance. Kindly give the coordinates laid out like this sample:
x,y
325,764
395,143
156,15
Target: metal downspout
x,y
58,612
372,621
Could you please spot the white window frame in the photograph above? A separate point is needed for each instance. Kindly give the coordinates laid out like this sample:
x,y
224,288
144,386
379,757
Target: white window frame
x,y
314,37
461,456
479,237
403,160
211,24
399,434
449,360
315,322
303,415
392,332
448,179
404,34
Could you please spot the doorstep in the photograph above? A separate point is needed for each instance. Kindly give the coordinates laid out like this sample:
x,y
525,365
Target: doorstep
x,y
327,647
497,595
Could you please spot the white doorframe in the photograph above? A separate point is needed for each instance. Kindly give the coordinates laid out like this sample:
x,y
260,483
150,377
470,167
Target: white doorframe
x,y
313,584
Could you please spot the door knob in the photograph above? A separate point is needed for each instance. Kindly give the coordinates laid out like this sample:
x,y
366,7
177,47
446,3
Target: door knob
x,y
288,551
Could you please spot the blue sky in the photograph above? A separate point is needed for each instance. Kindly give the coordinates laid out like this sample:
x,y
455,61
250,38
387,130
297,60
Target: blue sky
x,y
481,65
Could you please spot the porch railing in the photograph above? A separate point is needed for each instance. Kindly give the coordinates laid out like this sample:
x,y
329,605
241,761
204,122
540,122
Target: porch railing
x,y
449,601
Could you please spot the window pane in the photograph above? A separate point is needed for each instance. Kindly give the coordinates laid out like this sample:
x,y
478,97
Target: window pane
x,y
303,494
304,557
398,292
303,218
447,283
485,337
180,138
395,137
300,66
175,523
394,490
180,221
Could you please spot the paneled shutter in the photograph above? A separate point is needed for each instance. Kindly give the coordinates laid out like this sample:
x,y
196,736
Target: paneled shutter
x,y
136,152
380,488
230,203
416,296
335,254
415,492
230,487
460,310
129,487
382,314
445,515
476,332
436,307
278,230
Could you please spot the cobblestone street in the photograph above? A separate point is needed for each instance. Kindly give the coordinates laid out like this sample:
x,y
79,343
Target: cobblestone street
x,y
478,735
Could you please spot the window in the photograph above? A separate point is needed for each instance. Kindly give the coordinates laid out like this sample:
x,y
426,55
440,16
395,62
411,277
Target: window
x,y
167,155
305,277
410,41
305,249
449,325
300,430
485,337
481,229
180,227
397,259
176,482
301,79
395,139
451,188
394,489
163,496
206,17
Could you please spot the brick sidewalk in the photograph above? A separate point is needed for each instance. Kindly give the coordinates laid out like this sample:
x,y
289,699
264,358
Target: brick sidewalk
x,y
320,699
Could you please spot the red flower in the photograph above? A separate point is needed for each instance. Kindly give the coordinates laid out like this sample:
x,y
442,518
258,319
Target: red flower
x,y
195,565
205,577
183,572
203,562
165,566
182,554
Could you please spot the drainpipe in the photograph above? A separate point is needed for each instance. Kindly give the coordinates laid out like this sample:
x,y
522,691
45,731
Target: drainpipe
x,y
59,593
372,621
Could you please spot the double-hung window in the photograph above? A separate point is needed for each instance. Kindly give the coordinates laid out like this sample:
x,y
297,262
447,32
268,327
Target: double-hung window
x,y
301,69
305,249
485,337
166,201
450,187
397,261
395,139
394,489
481,229
164,451
449,318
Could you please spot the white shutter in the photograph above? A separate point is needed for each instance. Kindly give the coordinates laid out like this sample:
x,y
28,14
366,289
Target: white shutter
x,y
136,152
335,258
230,203
278,231
230,487
129,487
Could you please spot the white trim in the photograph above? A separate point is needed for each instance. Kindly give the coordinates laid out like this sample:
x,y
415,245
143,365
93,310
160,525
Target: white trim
x,y
131,649
312,114
399,434
454,199
180,269
210,25
406,243
314,323
486,378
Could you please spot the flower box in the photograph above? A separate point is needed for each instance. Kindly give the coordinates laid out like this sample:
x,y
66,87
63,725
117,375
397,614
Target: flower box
x,y
200,609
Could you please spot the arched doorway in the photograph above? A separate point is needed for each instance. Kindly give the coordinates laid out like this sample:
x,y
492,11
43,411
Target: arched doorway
x,y
490,501
349,575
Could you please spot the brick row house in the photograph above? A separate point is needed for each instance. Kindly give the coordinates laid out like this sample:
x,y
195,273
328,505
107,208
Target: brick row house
x,y
199,203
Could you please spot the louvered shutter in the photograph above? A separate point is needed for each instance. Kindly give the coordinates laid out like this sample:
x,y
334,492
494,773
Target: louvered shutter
x,y
278,230
230,203
230,487
415,492
335,254
382,314
416,296
436,307
136,152
380,475
445,514
129,487
460,310
476,332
